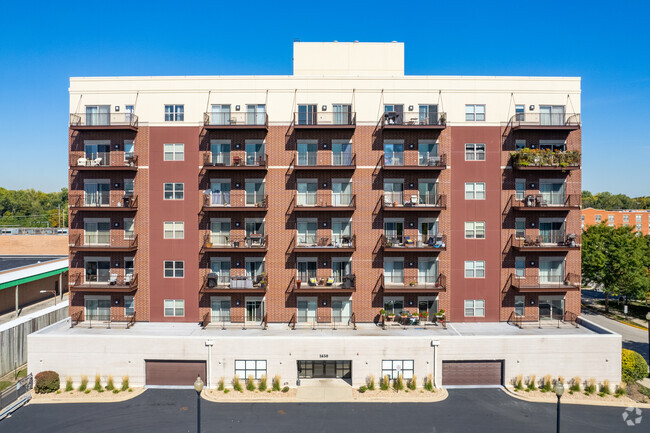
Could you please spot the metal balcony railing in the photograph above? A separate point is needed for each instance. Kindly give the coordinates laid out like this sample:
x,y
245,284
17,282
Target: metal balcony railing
x,y
547,239
236,119
542,201
218,240
325,119
564,281
408,119
335,200
101,200
545,119
315,241
396,200
433,241
429,281
541,158
103,120
227,199
226,159
104,280
218,280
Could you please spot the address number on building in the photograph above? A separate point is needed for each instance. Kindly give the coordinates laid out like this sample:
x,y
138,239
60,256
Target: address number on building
x,y
323,355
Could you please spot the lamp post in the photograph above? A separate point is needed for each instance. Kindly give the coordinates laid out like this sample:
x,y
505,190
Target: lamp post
x,y
198,386
559,390
647,317
50,291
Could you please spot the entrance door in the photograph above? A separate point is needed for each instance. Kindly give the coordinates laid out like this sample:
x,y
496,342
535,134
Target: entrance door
x,y
98,308
325,369
254,310
551,307
341,310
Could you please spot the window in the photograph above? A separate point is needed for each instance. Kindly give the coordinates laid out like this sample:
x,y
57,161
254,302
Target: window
x,y
427,271
626,218
220,231
551,270
553,145
174,113
393,304
475,230
638,227
520,189
307,154
97,193
221,267
130,110
520,145
638,218
306,192
128,150
219,192
341,153
474,308
220,152
394,114
173,191
306,269
610,218
255,152
520,112
520,228
174,269
393,368
520,302
475,269
475,191
428,115
255,368
428,153
128,266
128,187
552,192
97,231
98,153
307,231
128,228
307,114
597,218
520,267
174,307
394,153
394,191
582,218
97,269
341,266
394,271
475,152
341,192
221,114
129,306
254,192
551,114
256,114
174,229
174,152
98,115
342,114
475,113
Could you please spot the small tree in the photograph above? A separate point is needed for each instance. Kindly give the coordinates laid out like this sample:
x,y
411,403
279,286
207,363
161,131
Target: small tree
x,y
47,382
276,382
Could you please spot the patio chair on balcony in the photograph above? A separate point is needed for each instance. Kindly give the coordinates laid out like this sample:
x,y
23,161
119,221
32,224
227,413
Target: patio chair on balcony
x,y
312,281
127,279
82,162
408,241
529,241
348,281
329,281
541,201
112,279
96,162
570,240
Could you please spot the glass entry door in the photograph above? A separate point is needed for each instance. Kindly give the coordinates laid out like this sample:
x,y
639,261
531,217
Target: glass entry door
x,y
254,310
98,308
551,308
307,310
325,369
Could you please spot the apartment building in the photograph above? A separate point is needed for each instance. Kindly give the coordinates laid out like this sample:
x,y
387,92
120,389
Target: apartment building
x,y
638,219
345,196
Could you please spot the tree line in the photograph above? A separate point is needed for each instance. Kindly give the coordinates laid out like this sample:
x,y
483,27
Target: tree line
x,y
608,201
31,208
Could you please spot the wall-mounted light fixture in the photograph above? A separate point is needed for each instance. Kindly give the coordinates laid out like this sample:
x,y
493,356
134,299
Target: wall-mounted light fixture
x,y
237,185
411,224
324,184
116,224
532,263
325,224
410,108
532,185
237,224
237,107
410,302
411,146
237,265
237,146
117,265
411,264
532,302
324,145
117,302
117,108
532,224
323,108
324,263
324,303
531,108
116,185
236,302
411,185
117,146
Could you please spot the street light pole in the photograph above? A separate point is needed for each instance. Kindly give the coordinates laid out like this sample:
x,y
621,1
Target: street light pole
x,y
50,291
198,386
559,390
647,317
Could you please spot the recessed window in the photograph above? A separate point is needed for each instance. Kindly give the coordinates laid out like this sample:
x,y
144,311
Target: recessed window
x,y
474,152
597,218
474,190
174,113
475,269
475,113
128,150
129,232
250,367
174,229
520,228
520,267
174,307
638,218
520,144
520,302
626,218
173,191
474,308
174,152
475,230
394,367
174,269
128,187
610,218
520,112
129,306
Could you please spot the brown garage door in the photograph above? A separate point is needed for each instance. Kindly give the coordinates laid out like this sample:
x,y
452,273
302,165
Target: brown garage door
x,y
472,373
173,373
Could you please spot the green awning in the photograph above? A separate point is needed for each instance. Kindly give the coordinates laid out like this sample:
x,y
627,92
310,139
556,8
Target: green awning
x,y
32,278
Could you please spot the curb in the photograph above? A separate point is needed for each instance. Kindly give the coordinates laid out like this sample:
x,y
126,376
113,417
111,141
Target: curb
x,y
58,398
612,317
583,403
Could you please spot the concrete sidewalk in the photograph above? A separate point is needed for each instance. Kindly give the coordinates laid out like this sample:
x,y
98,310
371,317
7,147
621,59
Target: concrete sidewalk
x,y
324,391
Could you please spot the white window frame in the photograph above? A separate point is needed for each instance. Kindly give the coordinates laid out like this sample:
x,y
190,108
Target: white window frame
x,y
177,113
394,367
475,150
176,305
520,225
475,267
127,300
251,367
174,191
520,271
174,268
521,299
475,227
475,305
177,229
132,231
177,151
132,152
598,218
395,260
472,113
473,190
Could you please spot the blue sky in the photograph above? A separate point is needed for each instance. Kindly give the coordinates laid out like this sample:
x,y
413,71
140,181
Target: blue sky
x,y
44,43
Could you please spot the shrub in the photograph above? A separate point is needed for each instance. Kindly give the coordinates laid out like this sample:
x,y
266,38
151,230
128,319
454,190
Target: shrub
x,y
633,366
84,383
262,384
547,385
221,385
398,384
115,391
591,387
531,383
125,383
362,389
87,391
226,391
276,382
236,384
428,384
385,383
621,389
68,384
371,382
46,382
412,383
605,389
285,389
575,384
98,383
250,383
110,386
519,383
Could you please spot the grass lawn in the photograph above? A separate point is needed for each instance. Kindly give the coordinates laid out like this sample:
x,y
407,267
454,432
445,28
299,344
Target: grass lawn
x,y
4,384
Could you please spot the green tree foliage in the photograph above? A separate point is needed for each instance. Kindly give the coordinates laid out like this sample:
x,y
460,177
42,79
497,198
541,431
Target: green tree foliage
x,y
31,208
608,201
617,260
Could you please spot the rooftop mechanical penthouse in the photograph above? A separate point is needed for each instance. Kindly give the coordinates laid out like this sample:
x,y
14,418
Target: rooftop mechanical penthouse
x,y
325,196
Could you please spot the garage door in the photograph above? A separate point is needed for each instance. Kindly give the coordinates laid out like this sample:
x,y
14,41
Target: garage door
x,y
173,373
472,373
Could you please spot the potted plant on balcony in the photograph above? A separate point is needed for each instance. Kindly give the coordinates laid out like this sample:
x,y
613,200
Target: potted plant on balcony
x,y
390,316
298,283
263,281
440,315
413,284
208,243
424,315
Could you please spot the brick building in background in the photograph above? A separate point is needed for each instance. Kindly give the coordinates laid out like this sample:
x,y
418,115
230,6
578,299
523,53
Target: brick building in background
x,y
638,219
322,197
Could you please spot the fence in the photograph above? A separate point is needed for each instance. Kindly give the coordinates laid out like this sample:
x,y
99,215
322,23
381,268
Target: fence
x,y
9,396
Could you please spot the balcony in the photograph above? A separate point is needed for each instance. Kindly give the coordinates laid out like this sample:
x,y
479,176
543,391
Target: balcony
x,y
400,120
547,242
394,202
102,203
228,284
331,284
224,161
105,283
103,121
428,284
325,120
101,161
313,243
426,162
541,284
545,160
236,120
102,242
420,243
310,161
224,202
545,121
217,243
305,202
546,202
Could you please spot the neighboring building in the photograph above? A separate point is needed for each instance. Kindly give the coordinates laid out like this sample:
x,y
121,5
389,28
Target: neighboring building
x,y
320,198
638,219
